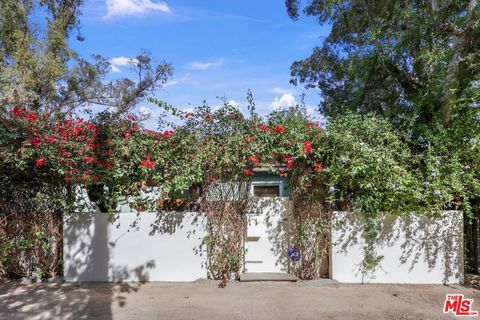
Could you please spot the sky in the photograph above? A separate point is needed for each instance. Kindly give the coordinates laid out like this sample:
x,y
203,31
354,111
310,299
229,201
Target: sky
x,y
218,48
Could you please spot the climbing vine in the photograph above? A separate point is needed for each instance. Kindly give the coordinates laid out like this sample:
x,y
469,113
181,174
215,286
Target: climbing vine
x,y
357,163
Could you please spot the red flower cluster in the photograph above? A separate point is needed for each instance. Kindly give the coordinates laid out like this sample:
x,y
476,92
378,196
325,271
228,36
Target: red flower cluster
x,y
248,172
22,113
90,159
31,117
40,162
318,167
289,161
249,139
279,128
255,160
36,142
311,124
307,147
17,112
147,163
168,133
263,127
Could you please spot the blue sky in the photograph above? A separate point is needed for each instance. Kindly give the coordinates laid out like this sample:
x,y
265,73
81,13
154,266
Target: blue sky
x,y
217,48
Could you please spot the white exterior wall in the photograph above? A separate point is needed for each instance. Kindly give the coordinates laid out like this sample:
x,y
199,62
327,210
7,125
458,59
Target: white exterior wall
x,y
415,250
134,247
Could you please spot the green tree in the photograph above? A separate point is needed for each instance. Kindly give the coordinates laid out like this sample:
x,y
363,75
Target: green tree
x,y
415,63
400,59
40,71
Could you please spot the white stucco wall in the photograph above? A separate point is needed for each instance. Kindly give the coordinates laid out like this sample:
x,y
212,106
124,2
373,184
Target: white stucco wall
x,y
415,250
134,247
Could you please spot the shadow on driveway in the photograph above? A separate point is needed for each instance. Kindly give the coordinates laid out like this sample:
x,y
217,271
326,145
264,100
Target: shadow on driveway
x,y
203,300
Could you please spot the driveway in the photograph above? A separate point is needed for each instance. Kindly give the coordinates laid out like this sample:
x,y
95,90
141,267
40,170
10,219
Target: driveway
x,y
204,300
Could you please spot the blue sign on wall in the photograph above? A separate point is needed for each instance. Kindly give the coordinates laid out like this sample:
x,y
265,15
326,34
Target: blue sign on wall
x,y
294,254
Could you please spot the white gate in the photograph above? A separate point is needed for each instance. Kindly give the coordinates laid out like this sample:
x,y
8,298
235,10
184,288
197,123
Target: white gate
x,y
266,240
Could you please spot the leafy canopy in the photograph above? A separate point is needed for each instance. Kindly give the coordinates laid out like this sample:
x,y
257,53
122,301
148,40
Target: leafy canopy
x,y
405,60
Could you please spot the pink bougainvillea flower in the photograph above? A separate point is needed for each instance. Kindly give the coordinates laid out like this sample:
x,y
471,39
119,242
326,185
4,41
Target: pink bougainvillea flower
x,y
147,163
70,163
318,167
248,172
279,128
255,160
188,115
307,147
131,118
40,162
109,152
249,139
50,139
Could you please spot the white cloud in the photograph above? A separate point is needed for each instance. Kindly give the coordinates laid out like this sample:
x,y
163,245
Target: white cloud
x,y
233,103
144,111
117,62
115,69
198,65
311,111
134,7
280,90
170,83
122,61
286,100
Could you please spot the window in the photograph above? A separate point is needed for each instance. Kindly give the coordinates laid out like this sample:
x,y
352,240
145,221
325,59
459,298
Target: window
x,y
266,190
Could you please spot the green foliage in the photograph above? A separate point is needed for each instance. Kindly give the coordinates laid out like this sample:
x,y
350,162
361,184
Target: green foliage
x,y
369,167
360,163
400,59
415,64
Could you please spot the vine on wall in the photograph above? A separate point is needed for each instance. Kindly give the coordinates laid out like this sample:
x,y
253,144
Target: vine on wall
x,y
357,163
